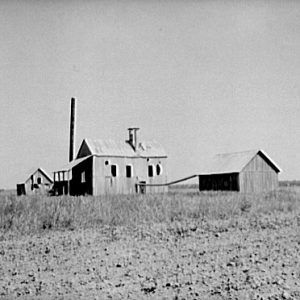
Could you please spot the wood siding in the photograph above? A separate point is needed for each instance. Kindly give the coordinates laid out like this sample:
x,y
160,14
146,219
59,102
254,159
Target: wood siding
x,y
33,186
219,182
99,180
82,178
258,176
105,183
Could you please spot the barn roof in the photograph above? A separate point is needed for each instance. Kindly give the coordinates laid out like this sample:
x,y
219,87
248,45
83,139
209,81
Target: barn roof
x,y
122,149
234,162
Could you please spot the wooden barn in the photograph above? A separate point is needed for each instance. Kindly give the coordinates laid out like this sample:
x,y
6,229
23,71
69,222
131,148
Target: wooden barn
x,y
247,172
110,167
38,182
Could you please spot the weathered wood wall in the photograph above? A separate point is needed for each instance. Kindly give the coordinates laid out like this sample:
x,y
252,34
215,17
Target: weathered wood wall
x,y
219,182
105,183
258,176
77,186
33,187
98,178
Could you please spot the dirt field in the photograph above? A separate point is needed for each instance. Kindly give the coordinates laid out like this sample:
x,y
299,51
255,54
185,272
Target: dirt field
x,y
249,256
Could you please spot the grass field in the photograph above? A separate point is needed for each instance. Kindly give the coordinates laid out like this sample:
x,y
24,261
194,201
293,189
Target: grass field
x,y
180,245
36,213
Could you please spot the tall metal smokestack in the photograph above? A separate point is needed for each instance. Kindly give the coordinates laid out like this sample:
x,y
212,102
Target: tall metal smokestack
x,y
72,129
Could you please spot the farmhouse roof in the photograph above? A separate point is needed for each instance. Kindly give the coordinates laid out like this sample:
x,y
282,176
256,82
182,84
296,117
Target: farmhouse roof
x,y
121,149
234,162
32,171
73,163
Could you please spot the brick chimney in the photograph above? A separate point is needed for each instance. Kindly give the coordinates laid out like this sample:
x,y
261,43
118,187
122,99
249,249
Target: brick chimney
x,y
133,141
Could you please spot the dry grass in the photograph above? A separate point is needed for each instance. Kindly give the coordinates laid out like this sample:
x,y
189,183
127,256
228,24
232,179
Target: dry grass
x,y
30,215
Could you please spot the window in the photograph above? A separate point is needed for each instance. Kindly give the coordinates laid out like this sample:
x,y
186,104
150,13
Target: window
x,y
106,162
114,170
39,180
129,171
159,169
150,171
83,177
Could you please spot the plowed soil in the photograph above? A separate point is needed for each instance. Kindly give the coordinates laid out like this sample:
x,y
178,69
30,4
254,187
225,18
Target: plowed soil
x,y
255,257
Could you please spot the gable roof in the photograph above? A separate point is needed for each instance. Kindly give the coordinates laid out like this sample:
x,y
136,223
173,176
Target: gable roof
x,y
73,163
45,174
235,162
121,149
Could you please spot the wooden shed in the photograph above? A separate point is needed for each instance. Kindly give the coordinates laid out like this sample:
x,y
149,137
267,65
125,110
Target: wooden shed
x,y
247,172
110,167
38,182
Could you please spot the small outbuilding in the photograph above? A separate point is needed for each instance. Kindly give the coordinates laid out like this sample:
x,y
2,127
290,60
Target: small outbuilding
x,y
38,182
247,172
109,167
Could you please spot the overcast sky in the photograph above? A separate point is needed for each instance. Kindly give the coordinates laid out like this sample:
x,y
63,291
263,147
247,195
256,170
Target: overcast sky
x,y
200,77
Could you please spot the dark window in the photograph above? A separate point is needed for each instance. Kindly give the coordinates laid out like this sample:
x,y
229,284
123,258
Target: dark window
x,y
114,170
128,171
158,169
106,162
150,171
39,180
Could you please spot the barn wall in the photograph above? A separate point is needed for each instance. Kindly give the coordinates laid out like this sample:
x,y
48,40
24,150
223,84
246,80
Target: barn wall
x,y
258,176
219,182
105,183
